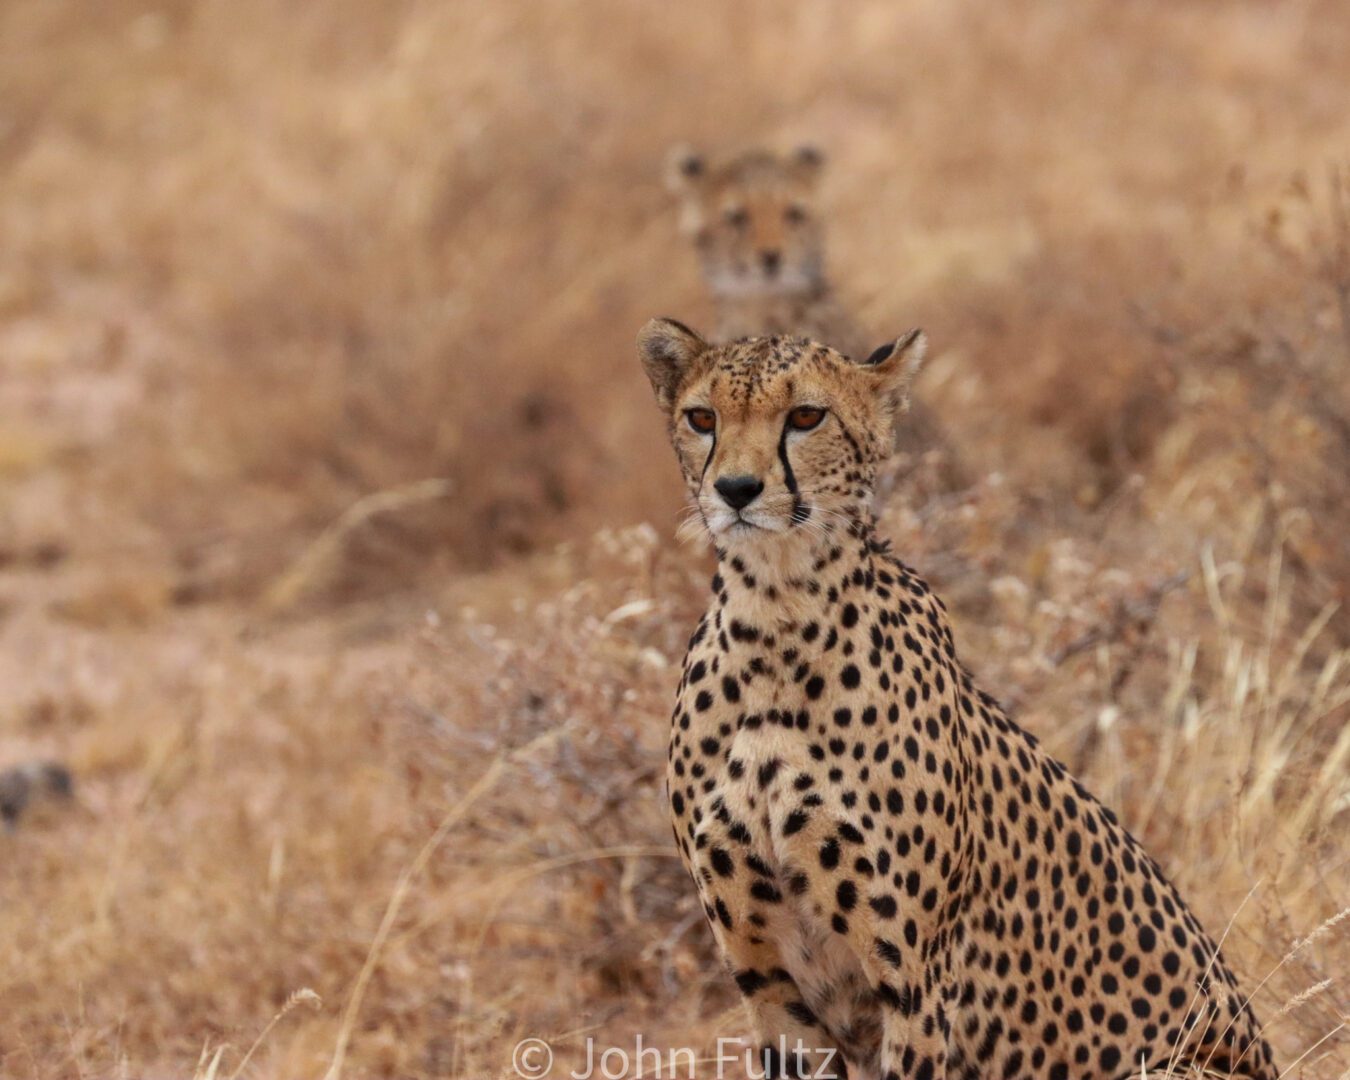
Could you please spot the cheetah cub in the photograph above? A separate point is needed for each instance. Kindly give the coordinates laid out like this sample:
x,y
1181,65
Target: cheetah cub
x,y
893,870
760,236
22,785
761,242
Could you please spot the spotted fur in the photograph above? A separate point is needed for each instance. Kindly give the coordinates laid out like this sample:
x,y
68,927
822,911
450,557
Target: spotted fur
x,y
891,867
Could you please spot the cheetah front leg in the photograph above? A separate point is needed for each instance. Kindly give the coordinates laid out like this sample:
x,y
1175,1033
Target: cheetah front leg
x,y
792,1045
914,1046
890,923
893,949
745,906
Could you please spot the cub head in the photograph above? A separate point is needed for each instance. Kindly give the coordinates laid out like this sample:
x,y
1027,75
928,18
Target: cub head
x,y
753,219
778,438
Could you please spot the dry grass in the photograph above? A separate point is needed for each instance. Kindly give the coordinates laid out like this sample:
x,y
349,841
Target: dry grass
x,y
275,280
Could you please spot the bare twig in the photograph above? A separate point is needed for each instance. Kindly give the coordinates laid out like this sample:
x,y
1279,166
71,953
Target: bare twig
x,y
1127,613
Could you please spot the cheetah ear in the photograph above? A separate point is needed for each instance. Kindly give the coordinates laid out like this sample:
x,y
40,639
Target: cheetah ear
x,y
894,367
685,169
668,351
808,162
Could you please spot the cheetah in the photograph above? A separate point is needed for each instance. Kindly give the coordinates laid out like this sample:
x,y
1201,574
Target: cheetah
x,y
757,227
21,784
896,874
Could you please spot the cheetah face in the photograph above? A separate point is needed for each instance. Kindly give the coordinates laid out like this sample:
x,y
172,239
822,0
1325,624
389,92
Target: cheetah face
x,y
754,221
778,438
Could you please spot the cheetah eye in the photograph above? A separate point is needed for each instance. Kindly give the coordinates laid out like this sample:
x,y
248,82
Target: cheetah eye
x,y
737,216
795,214
805,417
704,421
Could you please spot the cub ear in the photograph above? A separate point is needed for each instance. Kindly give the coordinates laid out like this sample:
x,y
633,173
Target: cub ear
x,y
668,351
685,169
895,365
808,161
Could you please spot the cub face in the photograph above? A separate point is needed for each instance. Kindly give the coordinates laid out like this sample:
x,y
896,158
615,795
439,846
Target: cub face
x,y
776,437
753,220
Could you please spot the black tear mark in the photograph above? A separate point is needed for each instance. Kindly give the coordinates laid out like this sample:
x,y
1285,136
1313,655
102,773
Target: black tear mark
x,y
790,481
708,460
788,478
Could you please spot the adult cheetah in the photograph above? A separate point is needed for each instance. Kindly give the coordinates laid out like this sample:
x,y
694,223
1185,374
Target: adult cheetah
x,y
892,868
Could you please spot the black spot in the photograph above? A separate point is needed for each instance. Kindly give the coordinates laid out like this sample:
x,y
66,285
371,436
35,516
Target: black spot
x,y
764,890
723,915
741,632
849,833
801,1013
884,906
889,951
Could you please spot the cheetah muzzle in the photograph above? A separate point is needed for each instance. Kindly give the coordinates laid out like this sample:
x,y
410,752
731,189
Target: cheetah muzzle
x,y
893,869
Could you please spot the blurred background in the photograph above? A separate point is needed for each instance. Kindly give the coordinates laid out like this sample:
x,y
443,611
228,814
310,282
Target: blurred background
x,y
336,521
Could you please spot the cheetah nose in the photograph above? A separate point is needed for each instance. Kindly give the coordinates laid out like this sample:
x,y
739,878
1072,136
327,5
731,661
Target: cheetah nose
x,y
738,492
772,260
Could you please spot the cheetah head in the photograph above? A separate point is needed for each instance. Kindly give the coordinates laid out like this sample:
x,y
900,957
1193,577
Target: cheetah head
x,y
778,438
753,220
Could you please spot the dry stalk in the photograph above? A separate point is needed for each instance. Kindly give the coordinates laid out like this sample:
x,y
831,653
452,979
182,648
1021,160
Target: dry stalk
x,y
410,873
303,996
320,555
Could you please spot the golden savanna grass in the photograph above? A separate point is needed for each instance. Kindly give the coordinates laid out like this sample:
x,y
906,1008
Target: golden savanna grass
x,y
335,519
